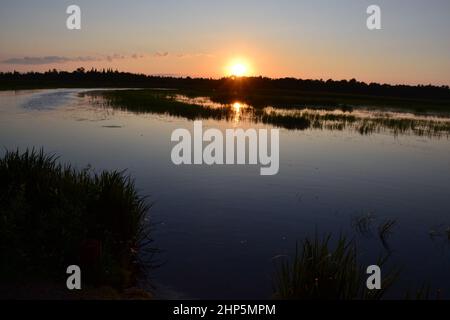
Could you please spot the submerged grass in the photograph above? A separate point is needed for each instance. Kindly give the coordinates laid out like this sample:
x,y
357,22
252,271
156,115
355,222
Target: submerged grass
x,y
283,98
168,102
159,102
53,216
320,271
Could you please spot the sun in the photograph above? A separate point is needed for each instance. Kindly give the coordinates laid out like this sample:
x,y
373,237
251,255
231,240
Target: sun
x,y
238,68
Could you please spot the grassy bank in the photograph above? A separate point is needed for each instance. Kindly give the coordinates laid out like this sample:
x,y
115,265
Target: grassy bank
x,y
53,216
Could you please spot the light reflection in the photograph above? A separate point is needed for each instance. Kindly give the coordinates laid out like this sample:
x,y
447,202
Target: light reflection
x,y
363,120
237,108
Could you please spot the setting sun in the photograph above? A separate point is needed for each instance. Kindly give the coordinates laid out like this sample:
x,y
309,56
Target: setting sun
x,y
238,68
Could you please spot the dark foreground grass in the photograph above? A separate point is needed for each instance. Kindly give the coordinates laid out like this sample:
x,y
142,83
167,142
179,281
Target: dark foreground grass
x,y
322,271
53,216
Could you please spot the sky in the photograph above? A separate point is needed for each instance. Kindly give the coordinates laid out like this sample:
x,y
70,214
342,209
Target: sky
x,y
318,39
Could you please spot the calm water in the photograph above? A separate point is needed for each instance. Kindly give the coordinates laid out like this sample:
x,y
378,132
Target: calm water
x,y
220,227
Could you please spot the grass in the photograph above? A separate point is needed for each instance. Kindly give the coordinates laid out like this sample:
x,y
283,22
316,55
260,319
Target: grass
x,y
53,216
166,102
283,98
321,271
385,230
363,223
154,101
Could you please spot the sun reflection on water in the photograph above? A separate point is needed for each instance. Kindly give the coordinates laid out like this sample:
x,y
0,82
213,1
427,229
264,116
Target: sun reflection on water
x,y
237,109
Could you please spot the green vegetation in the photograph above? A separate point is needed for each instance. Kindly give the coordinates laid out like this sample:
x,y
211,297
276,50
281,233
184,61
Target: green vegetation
x,y
319,271
53,216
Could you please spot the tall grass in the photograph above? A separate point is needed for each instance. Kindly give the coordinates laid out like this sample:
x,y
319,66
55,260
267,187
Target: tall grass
x,y
320,271
52,216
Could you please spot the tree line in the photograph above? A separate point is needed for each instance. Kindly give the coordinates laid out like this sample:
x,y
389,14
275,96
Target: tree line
x,y
83,78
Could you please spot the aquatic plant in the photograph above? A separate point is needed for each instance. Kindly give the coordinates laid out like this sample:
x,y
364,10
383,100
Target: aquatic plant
x,y
363,223
158,102
319,270
52,216
293,117
385,230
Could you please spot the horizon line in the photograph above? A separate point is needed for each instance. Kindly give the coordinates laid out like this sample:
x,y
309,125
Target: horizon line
x,y
180,76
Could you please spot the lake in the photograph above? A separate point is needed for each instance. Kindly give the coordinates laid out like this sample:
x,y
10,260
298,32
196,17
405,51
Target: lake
x,y
221,229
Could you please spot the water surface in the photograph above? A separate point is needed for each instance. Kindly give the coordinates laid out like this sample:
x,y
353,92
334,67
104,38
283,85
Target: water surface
x,y
220,227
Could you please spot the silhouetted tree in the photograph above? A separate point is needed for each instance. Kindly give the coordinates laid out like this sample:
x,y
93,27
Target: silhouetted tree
x,y
114,78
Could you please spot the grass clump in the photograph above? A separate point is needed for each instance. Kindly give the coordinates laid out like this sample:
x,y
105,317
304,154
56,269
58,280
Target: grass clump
x,y
319,271
158,102
53,216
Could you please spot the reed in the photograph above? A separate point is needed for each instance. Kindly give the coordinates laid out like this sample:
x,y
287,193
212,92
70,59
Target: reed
x,y
319,270
52,216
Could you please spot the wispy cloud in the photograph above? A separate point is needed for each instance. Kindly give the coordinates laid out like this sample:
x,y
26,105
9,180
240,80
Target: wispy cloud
x,y
160,54
29,60
180,55
46,60
194,55
113,57
64,59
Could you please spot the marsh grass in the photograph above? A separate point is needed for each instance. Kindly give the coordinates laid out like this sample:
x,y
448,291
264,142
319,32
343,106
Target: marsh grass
x,y
320,270
158,102
52,216
385,230
293,118
283,98
363,223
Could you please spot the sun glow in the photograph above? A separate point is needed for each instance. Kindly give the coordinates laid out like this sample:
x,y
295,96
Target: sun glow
x,y
237,107
238,69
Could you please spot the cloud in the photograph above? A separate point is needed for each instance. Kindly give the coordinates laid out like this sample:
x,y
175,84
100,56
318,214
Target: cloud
x,y
137,56
109,58
194,55
63,59
46,60
115,57
160,54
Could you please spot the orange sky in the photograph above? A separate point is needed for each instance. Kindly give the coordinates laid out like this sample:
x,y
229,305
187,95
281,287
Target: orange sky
x,y
305,39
